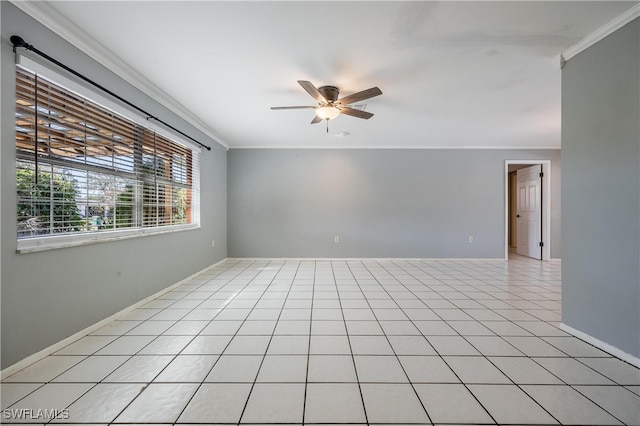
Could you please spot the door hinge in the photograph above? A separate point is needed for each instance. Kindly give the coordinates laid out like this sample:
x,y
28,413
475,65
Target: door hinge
x,y
541,174
541,244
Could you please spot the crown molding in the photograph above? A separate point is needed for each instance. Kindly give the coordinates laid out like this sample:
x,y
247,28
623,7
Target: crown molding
x,y
396,147
49,17
600,33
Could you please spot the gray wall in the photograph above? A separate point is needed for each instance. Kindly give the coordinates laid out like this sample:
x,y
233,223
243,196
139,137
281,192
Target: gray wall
x,y
48,296
381,203
600,191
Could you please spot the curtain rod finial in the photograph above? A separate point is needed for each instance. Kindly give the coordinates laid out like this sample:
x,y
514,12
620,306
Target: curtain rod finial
x,y
18,41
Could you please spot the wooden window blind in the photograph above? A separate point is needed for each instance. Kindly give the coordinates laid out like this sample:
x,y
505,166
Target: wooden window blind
x,y
81,168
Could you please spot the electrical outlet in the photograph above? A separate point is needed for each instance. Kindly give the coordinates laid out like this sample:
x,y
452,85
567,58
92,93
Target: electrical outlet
x,y
470,239
213,243
336,239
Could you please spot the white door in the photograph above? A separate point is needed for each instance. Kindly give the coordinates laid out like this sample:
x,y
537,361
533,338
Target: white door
x,y
529,212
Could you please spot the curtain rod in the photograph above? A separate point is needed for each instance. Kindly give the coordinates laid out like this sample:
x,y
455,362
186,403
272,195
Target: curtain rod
x,y
18,41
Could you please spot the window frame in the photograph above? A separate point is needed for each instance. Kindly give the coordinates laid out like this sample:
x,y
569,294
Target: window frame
x,y
74,86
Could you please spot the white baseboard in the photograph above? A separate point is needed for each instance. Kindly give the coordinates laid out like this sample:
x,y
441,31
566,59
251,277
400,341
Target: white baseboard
x,y
14,368
381,259
618,353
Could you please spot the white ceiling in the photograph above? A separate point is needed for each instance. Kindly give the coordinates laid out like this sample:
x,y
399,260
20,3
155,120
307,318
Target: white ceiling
x,y
453,74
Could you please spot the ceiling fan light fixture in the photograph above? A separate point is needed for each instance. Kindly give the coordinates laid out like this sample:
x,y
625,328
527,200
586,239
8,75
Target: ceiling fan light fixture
x,y
327,112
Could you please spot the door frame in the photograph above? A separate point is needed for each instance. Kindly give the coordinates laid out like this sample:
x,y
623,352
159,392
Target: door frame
x,y
546,205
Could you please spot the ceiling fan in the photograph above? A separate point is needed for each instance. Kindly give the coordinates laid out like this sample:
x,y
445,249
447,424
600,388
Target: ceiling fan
x,y
329,106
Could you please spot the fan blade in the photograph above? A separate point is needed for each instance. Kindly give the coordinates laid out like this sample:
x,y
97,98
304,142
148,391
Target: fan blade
x,y
311,89
293,107
355,113
316,119
360,96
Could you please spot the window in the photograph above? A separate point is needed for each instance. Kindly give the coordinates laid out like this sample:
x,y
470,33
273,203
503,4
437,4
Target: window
x,y
82,169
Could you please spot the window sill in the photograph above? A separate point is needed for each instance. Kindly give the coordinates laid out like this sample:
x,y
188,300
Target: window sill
x,y
31,245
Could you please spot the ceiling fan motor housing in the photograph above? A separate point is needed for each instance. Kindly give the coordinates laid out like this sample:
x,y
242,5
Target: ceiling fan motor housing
x,y
330,93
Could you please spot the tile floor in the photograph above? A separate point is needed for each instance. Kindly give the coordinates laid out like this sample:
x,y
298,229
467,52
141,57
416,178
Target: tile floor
x,y
336,342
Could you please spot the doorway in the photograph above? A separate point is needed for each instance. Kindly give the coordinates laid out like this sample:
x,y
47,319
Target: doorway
x,y
529,234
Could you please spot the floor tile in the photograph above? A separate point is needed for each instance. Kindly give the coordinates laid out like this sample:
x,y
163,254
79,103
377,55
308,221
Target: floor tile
x,y
283,368
505,328
186,328
534,346
150,328
616,370
289,345
411,345
451,403
421,314
618,401
92,369
524,371
45,370
407,408
493,346
540,328
328,328
452,345
87,345
116,328
158,403
257,328
331,368
334,403
470,328
573,372
329,345
379,369
435,328
370,345
141,314
102,403
228,314
219,403
509,404
208,345
358,314
220,327
264,315
201,314
364,328
187,368
575,347
235,368
140,369
476,369
327,314
399,328
275,403
292,328
634,388
126,345
55,396
568,405
427,369
170,314
166,345
295,314
10,393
